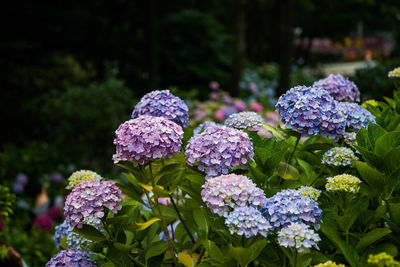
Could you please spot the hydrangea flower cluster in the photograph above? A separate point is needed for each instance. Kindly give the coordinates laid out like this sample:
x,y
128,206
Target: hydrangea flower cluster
x,y
82,175
89,198
311,111
61,230
71,258
298,236
289,206
339,156
310,192
395,73
203,126
329,264
218,149
247,221
226,192
244,120
343,182
357,117
77,241
339,87
163,104
350,138
147,138
44,222
383,259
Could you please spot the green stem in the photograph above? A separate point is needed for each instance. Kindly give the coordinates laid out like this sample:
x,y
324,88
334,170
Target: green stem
x,y
201,255
243,243
319,174
388,208
163,225
294,149
181,219
295,258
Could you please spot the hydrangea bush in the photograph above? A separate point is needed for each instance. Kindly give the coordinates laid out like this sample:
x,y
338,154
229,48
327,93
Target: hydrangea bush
x,y
228,197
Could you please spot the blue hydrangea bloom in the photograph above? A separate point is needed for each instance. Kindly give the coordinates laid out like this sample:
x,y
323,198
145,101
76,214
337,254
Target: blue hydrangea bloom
x,y
60,231
163,104
311,111
339,156
357,117
298,236
204,126
77,241
72,258
244,120
339,87
247,221
290,206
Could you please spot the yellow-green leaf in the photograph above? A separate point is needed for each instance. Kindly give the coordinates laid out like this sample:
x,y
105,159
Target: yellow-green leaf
x,y
189,260
142,226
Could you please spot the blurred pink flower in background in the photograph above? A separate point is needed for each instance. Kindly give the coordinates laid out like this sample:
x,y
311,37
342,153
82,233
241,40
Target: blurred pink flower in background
x,y
255,106
228,100
214,96
163,200
240,105
55,213
44,222
200,114
272,116
253,88
214,85
219,115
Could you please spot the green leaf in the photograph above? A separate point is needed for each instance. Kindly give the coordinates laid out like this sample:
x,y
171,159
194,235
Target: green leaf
x,y
240,254
213,251
63,242
317,146
371,237
287,171
156,248
256,248
373,177
370,157
307,170
201,219
274,132
386,142
374,133
391,160
90,233
189,260
259,177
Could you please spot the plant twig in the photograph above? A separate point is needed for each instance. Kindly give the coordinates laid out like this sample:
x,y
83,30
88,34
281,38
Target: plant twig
x,y
181,219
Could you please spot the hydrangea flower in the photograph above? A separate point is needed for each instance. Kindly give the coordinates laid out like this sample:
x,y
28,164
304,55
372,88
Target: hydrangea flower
x,y
147,138
395,73
310,192
89,198
61,230
311,111
339,87
298,236
44,222
350,138
229,110
357,117
163,104
383,259
71,258
289,206
218,149
329,264
203,126
82,175
339,156
247,221
226,192
244,120
343,182
240,105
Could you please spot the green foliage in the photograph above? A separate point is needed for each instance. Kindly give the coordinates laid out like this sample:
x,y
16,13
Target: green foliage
x,y
7,200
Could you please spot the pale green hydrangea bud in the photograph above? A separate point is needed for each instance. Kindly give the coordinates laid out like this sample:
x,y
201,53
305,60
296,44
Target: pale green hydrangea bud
x,y
82,175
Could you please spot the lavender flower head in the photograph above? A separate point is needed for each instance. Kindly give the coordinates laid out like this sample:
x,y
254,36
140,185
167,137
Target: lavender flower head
x,y
311,111
247,221
82,175
147,138
290,206
244,120
339,87
226,192
163,104
310,192
339,156
343,182
218,149
203,126
298,236
61,231
89,198
72,258
357,117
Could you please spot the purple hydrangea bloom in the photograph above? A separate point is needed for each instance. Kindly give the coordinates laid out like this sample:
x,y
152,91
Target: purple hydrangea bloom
x,y
311,111
298,236
339,87
163,104
247,221
244,120
61,230
357,117
89,198
290,206
218,149
226,192
147,138
22,178
203,126
72,258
